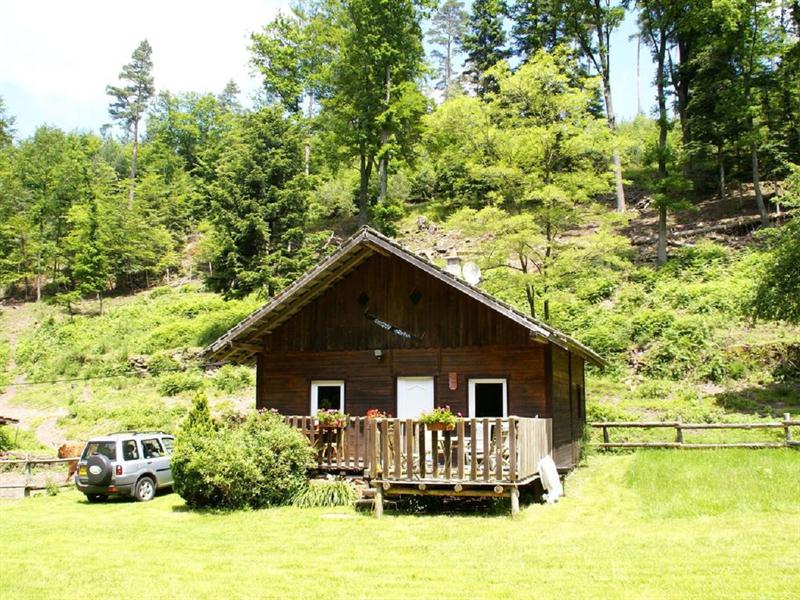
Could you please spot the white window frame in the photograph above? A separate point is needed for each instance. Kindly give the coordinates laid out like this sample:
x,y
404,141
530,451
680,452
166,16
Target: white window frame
x,y
471,394
315,385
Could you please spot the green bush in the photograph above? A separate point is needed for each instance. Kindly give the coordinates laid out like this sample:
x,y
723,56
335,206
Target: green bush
x,y
5,439
231,379
172,384
326,493
255,462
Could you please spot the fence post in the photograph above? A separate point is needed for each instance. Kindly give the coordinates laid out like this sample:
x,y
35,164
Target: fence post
x,y
678,431
27,491
606,439
786,429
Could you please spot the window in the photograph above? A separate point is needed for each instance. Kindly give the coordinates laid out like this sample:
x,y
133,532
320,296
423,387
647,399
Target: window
x,y
130,450
327,395
107,449
168,443
152,448
488,398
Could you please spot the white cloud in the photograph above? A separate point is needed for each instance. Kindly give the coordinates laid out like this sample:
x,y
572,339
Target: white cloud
x,y
57,57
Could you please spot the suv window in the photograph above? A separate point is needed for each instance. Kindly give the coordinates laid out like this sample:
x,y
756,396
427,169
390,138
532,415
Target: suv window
x,y
107,449
169,443
152,448
130,450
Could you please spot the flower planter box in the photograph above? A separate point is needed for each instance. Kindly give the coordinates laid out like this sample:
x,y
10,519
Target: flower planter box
x,y
335,425
440,427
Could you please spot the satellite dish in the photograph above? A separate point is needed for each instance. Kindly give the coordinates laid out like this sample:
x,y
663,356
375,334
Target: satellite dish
x,y
472,273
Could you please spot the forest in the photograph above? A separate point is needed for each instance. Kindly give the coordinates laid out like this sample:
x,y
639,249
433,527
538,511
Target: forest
x,y
487,130
366,114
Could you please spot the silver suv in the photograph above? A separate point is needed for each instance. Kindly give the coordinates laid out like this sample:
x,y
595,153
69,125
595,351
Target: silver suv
x,y
125,463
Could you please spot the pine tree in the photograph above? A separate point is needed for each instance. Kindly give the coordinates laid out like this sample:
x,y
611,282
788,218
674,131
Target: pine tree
x,y
484,43
6,125
447,32
130,101
536,26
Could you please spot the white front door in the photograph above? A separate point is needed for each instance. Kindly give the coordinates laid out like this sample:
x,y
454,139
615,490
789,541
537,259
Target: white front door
x,y
414,396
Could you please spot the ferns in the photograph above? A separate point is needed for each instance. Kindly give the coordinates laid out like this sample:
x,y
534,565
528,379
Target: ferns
x,y
326,493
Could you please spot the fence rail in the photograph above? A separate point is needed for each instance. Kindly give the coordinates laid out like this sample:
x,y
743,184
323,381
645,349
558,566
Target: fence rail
x,y
28,485
786,424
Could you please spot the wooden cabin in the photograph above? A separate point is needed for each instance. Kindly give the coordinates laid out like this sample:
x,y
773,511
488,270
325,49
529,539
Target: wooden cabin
x,y
375,326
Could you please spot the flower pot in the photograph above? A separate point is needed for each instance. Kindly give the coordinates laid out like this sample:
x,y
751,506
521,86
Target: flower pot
x,y
440,427
332,425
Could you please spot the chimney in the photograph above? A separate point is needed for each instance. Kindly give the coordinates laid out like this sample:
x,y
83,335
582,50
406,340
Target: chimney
x,y
453,265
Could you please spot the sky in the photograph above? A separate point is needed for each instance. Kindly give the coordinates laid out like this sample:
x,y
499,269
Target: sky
x,y
57,57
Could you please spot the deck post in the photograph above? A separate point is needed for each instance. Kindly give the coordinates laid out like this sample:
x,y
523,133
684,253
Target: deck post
x,y
378,501
514,501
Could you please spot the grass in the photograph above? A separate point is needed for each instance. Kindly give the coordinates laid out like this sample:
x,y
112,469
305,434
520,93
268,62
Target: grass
x,y
607,539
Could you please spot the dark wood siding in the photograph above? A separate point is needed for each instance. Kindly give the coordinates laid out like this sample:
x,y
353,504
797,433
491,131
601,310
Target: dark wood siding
x,y
285,377
577,403
562,413
442,317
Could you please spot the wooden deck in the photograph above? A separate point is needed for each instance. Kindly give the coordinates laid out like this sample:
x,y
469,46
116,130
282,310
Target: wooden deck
x,y
480,457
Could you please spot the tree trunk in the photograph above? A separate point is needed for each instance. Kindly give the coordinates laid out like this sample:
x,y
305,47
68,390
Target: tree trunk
x,y
307,155
363,190
383,165
132,188
448,71
612,124
762,209
721,163
661,257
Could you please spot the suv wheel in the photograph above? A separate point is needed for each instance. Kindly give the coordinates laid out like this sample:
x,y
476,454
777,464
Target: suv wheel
x,y
95,498
145,489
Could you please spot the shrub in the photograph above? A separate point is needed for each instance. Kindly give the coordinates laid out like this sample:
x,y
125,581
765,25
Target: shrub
x,y
172,384
232,379
5,439
326,493
258,462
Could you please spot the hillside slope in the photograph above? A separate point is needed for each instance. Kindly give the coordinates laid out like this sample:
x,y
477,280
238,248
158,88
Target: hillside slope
x,y
678,339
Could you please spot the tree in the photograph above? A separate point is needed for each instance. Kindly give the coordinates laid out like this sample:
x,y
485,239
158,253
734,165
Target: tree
x,y
6,125
258,206
587,25
375,104
537,25
657,22
229,97
447,31
484,42
131,100
544,157
293,53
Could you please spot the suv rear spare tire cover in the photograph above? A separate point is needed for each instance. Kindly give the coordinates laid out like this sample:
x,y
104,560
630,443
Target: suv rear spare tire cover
x,y
98,470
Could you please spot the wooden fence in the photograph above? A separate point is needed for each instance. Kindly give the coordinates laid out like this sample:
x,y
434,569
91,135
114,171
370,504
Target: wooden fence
x,y
27,463
477,452
786,424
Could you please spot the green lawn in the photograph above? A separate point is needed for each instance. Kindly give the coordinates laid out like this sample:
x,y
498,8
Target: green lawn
x,y
632,526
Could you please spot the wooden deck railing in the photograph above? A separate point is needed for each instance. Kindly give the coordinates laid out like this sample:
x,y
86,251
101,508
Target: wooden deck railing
x,y
478,451
337,449
787,424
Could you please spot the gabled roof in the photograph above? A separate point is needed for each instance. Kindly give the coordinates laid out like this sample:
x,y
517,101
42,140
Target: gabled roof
x,y
240,343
